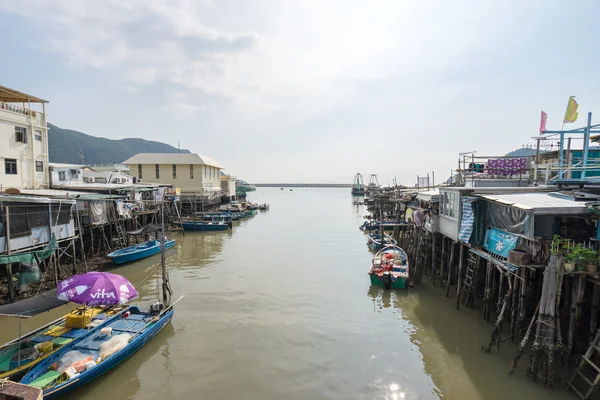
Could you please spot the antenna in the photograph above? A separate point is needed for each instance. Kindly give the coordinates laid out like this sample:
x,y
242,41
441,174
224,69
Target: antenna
x,y
178,147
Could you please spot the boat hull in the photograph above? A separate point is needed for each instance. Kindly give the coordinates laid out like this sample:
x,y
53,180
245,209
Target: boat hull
x,y
377,280
112,361
202,226
122,256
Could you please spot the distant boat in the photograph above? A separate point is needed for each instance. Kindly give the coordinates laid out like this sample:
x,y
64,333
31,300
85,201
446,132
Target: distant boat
x,y
204,226
263,207
390,268
358,189
290,190
282,188
138,251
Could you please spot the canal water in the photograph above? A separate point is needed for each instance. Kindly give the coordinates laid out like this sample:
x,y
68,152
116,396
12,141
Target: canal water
x,y
281,308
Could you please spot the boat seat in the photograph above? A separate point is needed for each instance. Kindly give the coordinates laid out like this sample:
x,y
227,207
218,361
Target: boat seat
x,y
128,326
74,333
42,338
136,317
93,343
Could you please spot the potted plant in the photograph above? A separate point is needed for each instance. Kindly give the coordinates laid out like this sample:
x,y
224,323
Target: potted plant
x,y
578,255
569,262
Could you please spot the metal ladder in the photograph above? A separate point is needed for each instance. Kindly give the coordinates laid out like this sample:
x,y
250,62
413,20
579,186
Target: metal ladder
x,y
467,291
586,359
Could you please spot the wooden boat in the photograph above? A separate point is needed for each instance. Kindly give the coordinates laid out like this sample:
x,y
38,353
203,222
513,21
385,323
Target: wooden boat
x,y
204,226
138,251
17,391
387,225
250,213
390,268
139,327
263,207
21,354
377,240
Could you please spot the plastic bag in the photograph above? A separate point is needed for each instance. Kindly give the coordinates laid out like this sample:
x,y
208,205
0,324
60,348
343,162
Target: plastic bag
x,y
72,358
113,345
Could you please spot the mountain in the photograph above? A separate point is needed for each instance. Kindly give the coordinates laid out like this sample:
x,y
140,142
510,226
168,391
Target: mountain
x,y
64,146
523,152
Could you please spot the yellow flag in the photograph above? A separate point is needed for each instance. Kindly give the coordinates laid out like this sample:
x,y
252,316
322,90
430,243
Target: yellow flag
x,y
571,114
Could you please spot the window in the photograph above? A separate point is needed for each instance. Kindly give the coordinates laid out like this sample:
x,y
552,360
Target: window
x,y
20,134
73,173
10,166
39,166
191,171
62,176
156,167
450,205
204,168
140,171
38,135
174,171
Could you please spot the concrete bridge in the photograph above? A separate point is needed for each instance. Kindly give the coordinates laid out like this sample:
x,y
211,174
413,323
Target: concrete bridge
x,y
310,185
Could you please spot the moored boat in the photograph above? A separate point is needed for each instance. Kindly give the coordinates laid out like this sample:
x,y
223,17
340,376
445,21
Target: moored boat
x,y
376,241
263,207
389,268
21,354
204,226
138,251
12,390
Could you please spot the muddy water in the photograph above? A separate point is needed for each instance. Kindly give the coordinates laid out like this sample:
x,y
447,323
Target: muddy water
x,y
281,308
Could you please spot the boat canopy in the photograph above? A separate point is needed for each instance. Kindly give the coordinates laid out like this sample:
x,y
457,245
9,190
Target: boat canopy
x,y
150,228
32,306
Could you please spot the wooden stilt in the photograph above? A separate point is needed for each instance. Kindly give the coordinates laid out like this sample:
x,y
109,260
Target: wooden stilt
x,y
495,337
440,273
459,273
575,312
74,257
450,267
487,297
594,311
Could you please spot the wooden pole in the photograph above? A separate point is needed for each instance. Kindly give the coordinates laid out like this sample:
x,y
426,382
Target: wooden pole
x,y
568,159
11,289
453,245
458,278
74,257
442,261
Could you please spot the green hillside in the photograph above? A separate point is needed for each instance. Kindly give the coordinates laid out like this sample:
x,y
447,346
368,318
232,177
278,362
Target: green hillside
x,y
65,145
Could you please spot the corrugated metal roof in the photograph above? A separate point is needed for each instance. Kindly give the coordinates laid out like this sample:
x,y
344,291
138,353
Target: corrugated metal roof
x,y
172,158
429,195
539,203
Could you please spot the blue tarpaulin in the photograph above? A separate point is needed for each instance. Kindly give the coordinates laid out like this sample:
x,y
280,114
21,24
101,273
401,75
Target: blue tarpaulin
x,y
466,222
499,242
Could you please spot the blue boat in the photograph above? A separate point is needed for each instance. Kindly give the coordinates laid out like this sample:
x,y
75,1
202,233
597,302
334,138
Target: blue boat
x,y
138,251
85,356
204,226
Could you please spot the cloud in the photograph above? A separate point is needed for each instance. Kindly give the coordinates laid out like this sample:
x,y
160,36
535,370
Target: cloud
x,y
185,110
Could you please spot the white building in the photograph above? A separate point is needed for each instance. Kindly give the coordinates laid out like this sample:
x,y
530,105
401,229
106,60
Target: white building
x,y
192,173
65,174
94,176
24,141
113,167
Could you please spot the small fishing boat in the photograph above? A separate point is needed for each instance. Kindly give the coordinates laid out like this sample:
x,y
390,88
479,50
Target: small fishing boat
x,y
387,225
263,207
21,354
250,213
291,190
281,188
358,188
377,240
205,225
390,268
138,251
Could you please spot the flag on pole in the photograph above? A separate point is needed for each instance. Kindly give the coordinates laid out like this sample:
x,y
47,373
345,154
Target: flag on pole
x,y
543,122
571,114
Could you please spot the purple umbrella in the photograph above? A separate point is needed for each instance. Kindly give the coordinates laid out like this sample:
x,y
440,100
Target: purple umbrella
x,y
97,289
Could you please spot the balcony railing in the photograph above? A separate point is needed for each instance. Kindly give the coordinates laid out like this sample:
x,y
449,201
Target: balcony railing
x,y
17,109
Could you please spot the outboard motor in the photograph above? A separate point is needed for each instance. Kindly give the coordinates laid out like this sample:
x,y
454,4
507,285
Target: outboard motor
x,y
156,308
387,280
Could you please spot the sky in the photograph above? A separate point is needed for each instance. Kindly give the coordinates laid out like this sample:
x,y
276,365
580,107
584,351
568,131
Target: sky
x,y
308,90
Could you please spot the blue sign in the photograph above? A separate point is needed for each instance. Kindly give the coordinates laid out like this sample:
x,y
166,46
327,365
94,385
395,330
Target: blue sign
x,y
499,242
